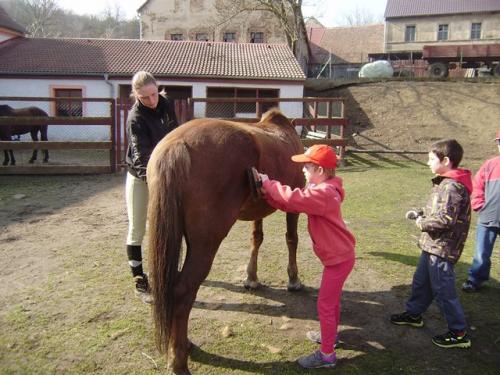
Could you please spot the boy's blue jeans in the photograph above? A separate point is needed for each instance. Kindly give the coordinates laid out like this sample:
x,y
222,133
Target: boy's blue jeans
x,y
434,278
479,272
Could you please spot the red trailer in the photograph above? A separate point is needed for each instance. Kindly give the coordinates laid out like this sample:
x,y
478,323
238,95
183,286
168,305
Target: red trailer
x,y
443,57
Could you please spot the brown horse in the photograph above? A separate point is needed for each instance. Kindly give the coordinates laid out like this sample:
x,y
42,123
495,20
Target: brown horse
x,y
7,131
198,189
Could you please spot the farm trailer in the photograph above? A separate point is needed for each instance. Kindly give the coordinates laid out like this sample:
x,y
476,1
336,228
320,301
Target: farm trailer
x,y
444,57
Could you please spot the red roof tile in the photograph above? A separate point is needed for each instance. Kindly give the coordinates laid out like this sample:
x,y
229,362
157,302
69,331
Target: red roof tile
x,y
162,58
409,8
8,23
346,44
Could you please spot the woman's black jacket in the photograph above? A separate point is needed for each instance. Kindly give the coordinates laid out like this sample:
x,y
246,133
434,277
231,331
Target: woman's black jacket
x,y
145,128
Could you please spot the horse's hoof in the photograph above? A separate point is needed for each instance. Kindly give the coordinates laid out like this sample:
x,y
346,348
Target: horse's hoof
x,y
295,287
251,284
31,161
45,161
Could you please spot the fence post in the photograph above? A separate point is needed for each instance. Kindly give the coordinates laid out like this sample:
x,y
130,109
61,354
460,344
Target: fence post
x,y
112,152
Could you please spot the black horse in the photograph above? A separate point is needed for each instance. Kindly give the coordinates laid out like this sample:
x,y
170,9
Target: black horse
x,y
7,131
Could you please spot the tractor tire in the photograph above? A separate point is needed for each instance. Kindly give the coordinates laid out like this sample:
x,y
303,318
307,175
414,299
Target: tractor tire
x,y
438,70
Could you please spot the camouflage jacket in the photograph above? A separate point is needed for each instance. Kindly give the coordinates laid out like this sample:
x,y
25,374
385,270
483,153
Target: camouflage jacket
x,y
446,219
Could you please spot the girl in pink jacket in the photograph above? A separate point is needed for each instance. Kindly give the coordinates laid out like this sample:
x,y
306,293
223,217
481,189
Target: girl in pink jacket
x,y
333,243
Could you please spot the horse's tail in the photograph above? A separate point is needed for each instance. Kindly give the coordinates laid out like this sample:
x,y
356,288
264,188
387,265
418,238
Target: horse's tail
x,y
166,177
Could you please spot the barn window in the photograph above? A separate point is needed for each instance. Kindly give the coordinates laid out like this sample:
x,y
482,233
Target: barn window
x,y
229,37
202,37
257,37
442,32
176,37
229,109
410,33
71,106
475,31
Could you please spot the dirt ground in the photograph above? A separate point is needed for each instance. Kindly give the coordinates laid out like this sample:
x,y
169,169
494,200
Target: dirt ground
x,y
409,115
80,216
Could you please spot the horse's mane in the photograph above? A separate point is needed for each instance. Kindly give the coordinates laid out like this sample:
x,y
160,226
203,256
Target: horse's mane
x,y
275,116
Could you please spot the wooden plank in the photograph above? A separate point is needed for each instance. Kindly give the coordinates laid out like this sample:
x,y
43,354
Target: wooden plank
x,y
330,142
10,120
52,145
54,169
335,121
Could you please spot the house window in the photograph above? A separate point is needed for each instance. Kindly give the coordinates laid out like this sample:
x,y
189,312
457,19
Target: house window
x,y
442,32
176,37
230,110
71,107
202,37
229,37
410,33
257,37
475,31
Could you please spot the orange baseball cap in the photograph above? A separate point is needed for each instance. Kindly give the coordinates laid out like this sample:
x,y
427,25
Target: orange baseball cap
x,y
322,155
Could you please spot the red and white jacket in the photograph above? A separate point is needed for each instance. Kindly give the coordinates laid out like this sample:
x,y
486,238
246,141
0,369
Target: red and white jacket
x,y
486,193
333,243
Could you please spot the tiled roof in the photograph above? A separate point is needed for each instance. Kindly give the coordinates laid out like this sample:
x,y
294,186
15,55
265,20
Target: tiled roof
x,y
346,44
409,8
8,23
162,58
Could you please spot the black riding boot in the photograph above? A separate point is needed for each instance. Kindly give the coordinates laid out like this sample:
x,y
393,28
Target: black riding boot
x,y
142,289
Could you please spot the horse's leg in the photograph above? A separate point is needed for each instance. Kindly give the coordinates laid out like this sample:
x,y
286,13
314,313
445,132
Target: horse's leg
x,y
252,282
199,258
5,157
12,159
43,137
292,240
34,138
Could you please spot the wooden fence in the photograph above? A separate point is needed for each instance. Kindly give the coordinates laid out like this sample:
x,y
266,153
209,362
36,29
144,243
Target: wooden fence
x,y
61,167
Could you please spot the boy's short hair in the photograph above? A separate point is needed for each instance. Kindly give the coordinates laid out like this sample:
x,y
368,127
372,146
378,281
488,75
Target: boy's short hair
x,y
448,148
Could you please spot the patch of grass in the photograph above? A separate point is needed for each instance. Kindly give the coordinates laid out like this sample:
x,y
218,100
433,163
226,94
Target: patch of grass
x,y
83,318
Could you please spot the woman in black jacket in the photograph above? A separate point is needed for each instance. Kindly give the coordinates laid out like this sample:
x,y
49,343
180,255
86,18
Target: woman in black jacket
x,y
150,119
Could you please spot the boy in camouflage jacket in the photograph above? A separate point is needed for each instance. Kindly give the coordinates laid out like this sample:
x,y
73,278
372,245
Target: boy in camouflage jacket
x,y
444,223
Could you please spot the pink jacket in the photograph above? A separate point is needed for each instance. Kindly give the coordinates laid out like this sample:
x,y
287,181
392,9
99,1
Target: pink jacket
x,y
333,243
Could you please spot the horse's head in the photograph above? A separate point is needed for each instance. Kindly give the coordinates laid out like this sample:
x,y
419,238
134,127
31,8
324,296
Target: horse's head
x,y
275,116
4,109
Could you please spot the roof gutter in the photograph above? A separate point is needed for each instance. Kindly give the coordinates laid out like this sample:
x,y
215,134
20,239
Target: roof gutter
x,y
111,85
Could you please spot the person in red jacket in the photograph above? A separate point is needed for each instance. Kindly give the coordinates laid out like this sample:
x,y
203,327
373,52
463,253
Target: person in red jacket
x,y
333,243
485,200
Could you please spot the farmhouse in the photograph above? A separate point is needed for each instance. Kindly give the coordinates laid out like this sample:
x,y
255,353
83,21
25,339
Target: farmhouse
x,y
102,68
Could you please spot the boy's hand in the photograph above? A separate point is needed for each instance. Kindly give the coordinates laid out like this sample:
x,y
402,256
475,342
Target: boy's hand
x,y
412,215
419,222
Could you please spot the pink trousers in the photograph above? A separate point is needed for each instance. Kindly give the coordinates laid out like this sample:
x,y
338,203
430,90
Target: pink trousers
x,y
330,292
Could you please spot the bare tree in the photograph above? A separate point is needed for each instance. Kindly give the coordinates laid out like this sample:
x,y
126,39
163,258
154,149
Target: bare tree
x,y
359,17
39,15
287,12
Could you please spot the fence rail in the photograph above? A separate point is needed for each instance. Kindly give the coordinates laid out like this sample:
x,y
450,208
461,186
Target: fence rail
x,y
72,156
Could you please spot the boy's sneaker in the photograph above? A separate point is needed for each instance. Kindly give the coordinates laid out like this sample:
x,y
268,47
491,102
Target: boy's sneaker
x,y
142,289
315,336
318,360
451,340
407,319
470,287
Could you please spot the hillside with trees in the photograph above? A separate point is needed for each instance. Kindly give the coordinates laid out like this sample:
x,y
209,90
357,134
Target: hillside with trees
x,y
45,19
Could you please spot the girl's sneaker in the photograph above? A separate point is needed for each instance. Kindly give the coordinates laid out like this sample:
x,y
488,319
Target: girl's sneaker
x,y
318,360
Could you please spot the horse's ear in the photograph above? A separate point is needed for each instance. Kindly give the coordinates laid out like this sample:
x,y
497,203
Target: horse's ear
x,y
275,116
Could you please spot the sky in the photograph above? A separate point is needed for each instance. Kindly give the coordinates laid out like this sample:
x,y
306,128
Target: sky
x,y
328,12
